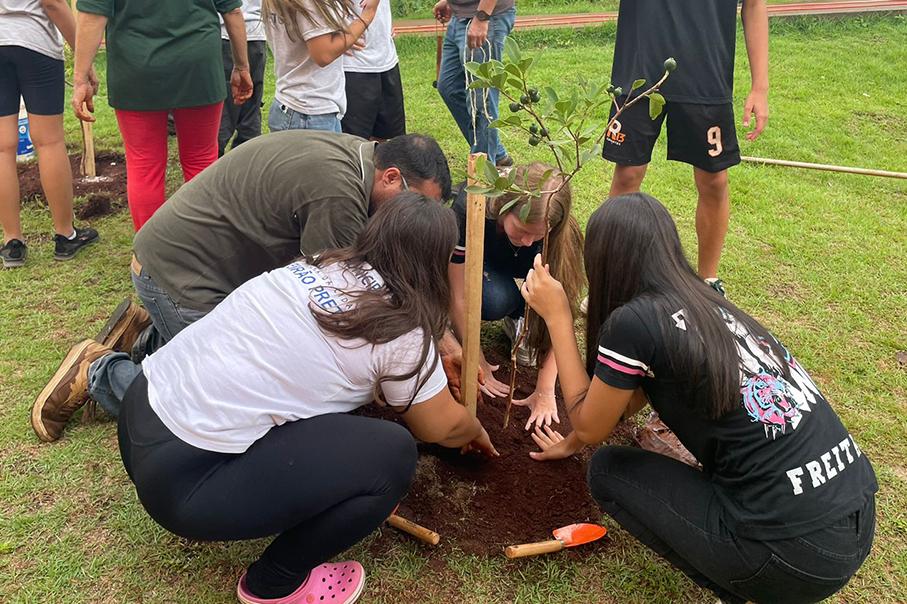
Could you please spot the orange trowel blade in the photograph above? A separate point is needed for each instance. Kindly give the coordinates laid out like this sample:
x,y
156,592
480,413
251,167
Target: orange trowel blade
x,y
578,534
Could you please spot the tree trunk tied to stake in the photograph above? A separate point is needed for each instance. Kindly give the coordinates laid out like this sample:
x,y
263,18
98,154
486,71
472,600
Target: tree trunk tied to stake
x,y
566,125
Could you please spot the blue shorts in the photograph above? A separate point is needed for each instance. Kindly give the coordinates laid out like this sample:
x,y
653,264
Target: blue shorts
x,y
37,78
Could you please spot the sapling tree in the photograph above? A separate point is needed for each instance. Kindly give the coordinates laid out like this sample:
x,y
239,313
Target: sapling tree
x,y
571,124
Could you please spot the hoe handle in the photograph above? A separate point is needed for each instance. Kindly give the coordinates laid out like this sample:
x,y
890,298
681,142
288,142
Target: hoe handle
x,y
419,532
533,549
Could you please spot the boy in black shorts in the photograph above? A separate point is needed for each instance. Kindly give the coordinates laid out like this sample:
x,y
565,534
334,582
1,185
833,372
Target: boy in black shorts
x,y
374,91
699,112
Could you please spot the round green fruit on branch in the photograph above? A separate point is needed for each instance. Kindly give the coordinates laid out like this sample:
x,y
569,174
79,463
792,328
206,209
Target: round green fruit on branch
x,y
534,140
670,65
544,133
618,91
525,99
611,88
534,95
515,107
533,129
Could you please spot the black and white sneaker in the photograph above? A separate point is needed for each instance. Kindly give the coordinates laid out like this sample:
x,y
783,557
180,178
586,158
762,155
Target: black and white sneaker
x,y
65,248
13,253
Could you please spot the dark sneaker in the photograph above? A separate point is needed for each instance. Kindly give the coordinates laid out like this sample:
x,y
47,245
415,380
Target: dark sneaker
x,y
13,253
124,326
717,285
64,248
66,392
504,162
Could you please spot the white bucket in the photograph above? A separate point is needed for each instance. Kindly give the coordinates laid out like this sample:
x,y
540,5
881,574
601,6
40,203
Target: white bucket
x,y
25,150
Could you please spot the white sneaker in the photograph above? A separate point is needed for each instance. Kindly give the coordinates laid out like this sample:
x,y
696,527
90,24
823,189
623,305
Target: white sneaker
x,y
525,356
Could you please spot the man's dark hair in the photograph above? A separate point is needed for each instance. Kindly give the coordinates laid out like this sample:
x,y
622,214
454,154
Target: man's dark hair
x,y
419,159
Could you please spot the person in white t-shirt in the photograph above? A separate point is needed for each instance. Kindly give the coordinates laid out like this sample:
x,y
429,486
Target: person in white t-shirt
x,y
32,69
244,120
307,37
374,91
238,428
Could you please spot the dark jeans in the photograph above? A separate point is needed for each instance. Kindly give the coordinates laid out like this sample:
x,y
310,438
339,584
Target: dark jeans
x,y
674,510
320,484
500,295
168,317
245,119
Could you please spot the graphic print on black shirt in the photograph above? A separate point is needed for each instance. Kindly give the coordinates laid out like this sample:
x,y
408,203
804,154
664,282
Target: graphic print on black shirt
x,y
700,34
782,462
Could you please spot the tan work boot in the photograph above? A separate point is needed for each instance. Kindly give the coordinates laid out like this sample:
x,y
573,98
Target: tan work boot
x,y
124,326
66,392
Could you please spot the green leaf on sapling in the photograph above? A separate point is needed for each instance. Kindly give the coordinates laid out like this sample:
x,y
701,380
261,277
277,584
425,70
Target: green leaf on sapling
x,y
525,64
478,84
551,94
512,50
507,206
656,104
501,183
478,189
487,169
637,84
524,212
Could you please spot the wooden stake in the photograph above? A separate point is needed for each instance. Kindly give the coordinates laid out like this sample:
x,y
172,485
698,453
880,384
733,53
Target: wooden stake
x,y
87,165
826,167
475,253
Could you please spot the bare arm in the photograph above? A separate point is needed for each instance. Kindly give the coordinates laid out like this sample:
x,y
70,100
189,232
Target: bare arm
x,y
755,30
328,48
442,420
60,15
89,33
241,79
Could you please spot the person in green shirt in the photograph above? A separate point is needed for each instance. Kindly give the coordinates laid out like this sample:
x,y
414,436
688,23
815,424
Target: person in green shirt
x,y
160,61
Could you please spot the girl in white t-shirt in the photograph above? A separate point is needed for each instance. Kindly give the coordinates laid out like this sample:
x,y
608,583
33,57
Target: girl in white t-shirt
x,y
307,37
238,427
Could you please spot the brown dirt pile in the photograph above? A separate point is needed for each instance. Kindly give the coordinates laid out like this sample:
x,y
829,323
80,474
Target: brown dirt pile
x,y
103,194
480,506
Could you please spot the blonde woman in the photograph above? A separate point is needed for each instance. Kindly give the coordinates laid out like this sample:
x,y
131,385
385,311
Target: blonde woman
x,y
511,244
306,38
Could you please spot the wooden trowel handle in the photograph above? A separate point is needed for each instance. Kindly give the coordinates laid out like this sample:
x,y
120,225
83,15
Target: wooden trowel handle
x,y
419,532
533,549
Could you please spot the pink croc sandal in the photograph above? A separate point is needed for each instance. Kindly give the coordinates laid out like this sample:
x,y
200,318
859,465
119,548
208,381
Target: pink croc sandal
x,y
339,583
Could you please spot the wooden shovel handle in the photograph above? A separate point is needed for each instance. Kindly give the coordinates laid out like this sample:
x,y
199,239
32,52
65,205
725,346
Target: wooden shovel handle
x,y
419,532
533,549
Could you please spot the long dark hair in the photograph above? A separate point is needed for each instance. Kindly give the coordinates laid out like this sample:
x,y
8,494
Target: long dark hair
x,y
565,242
408,241
633,250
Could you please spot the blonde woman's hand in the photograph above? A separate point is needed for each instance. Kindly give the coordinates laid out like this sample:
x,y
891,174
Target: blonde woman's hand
x,y
544,293
542,407
489,384
369,8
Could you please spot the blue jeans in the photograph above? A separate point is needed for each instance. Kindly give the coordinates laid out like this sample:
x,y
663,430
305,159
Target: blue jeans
x,y
281,117
500,295
108,379
168,317
452,81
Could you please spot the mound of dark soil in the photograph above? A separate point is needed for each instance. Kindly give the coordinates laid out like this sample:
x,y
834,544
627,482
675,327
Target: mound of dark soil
x,y
481,506
104,193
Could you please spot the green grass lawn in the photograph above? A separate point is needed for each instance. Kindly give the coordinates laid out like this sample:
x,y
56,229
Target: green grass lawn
x,y
818,257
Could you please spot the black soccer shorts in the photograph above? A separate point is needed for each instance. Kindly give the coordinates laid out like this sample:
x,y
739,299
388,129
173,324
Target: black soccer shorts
x,y
704,136
374,105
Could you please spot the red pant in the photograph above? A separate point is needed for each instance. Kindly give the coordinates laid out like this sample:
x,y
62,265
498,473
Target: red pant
x,y
145,138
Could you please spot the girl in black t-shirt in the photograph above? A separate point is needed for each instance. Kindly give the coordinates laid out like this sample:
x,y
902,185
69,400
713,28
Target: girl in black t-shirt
x,y
510,245
784,508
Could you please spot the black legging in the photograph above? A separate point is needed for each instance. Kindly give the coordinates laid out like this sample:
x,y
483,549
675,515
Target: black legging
x,y
320,484
676,511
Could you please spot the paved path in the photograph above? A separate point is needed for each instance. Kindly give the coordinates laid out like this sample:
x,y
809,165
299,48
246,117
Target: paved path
x,y
429,26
